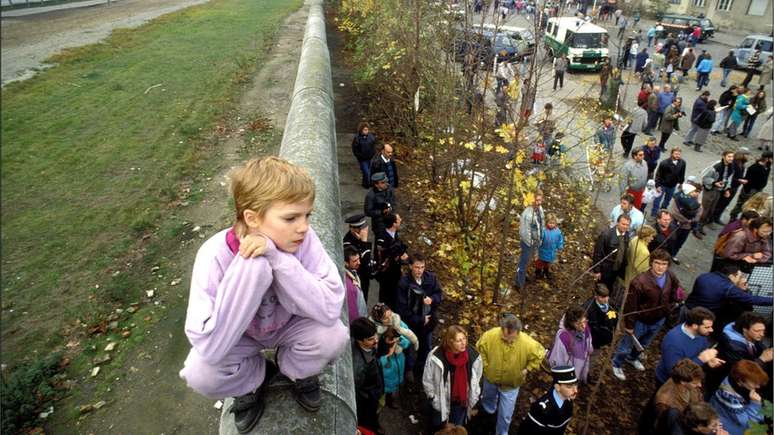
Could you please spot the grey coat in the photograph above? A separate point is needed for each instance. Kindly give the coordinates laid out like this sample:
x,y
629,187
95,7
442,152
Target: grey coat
x,y
669,121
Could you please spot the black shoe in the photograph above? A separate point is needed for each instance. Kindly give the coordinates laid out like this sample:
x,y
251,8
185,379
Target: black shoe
x,y
247,410
697,148
714,133
547,275
307,393
675,261
698,234
733,138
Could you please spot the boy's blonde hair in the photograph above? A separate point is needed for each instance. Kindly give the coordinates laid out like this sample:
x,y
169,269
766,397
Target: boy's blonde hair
x,y
552,219
262,182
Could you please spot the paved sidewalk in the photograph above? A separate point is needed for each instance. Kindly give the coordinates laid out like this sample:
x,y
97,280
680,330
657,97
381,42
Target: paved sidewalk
x,y
34,10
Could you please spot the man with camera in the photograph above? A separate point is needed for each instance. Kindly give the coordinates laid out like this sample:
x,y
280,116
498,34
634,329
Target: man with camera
x,y
419,295
669,122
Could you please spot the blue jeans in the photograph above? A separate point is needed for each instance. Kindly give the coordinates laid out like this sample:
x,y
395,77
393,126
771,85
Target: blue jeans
x,y
365,169
495,399
663,200
726,72
526,255
644,334
721,120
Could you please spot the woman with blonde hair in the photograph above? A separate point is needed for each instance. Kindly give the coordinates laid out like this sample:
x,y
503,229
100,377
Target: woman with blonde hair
x,y
638,254
452,377
760,202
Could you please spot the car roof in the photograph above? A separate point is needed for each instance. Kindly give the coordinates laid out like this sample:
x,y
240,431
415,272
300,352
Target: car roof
x,y
759,36
505,28
581,26
687,17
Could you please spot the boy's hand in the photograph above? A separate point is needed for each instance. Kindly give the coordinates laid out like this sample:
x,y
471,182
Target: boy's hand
x,y
252,245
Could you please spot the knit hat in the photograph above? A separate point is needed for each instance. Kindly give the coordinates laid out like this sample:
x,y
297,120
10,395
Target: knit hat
x,y
688,188
564,375
362,328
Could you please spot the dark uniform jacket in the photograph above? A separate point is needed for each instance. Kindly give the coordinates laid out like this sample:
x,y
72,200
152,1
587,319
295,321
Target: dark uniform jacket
x,y
388,252
545,417
364,249
376,201
389,168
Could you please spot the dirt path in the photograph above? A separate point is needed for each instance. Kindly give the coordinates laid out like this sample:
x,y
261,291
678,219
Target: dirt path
x,y
147,396
29,40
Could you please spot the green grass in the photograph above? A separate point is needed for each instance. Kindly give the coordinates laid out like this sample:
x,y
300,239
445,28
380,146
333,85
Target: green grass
x,y
74,203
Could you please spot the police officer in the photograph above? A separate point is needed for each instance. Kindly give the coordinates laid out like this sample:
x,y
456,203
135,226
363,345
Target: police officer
x,y
357,238
379,201
551,414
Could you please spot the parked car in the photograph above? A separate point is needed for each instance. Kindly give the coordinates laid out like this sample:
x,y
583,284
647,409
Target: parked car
x,y
685,24
749,44
517,34
486,43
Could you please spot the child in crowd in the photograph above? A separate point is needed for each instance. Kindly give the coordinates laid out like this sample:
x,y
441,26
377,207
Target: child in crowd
x,y
572,345
538,152
553,241
393,363
264,282
651,193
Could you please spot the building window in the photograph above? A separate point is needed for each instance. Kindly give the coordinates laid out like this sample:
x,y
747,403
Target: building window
x,y
725,5
757,8
675,2
698,3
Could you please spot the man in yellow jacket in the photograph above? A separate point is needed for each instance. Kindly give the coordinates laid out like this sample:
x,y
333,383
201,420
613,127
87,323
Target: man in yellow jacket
x,y
507,354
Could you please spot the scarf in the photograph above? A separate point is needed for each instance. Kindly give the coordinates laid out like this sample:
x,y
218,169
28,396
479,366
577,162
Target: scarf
x,y
459,381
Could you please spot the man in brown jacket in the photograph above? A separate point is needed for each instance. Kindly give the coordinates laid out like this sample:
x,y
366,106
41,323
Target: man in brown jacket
x,y
652,295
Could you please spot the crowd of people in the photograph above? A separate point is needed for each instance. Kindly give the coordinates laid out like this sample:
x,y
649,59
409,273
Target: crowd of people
x,y
266,282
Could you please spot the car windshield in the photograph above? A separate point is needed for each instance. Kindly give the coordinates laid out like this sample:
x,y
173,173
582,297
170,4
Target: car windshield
x,y
747,43
503,41
706,23
764,46
587,40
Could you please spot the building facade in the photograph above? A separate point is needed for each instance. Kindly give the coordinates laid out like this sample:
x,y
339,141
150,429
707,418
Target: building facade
x,y
754,16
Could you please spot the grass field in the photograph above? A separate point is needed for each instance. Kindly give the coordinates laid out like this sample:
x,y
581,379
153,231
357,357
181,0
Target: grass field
x,y
94,151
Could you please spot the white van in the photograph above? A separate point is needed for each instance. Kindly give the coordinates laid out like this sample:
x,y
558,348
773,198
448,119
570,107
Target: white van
x,y
749,44
584,43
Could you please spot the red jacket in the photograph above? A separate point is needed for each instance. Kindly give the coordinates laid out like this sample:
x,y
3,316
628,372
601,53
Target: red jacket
x,y
646,296
642,99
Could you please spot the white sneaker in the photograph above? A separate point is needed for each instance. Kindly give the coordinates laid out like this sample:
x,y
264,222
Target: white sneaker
x,y
637,365
618,373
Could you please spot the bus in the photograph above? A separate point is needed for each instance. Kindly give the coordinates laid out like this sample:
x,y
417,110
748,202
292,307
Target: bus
x,y
584,43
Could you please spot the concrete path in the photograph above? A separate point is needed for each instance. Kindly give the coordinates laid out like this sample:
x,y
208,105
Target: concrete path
x,y
33,10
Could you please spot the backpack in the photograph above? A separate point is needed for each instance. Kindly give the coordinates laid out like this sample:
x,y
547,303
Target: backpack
x,y
720,244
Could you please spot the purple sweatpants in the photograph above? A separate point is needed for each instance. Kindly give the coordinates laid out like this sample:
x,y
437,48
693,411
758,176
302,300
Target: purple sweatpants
x,y
304,348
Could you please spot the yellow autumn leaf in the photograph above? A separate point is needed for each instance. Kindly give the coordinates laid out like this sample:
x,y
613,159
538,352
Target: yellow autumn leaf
x,y
488,148
501,149
465,185
470,146
529,198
